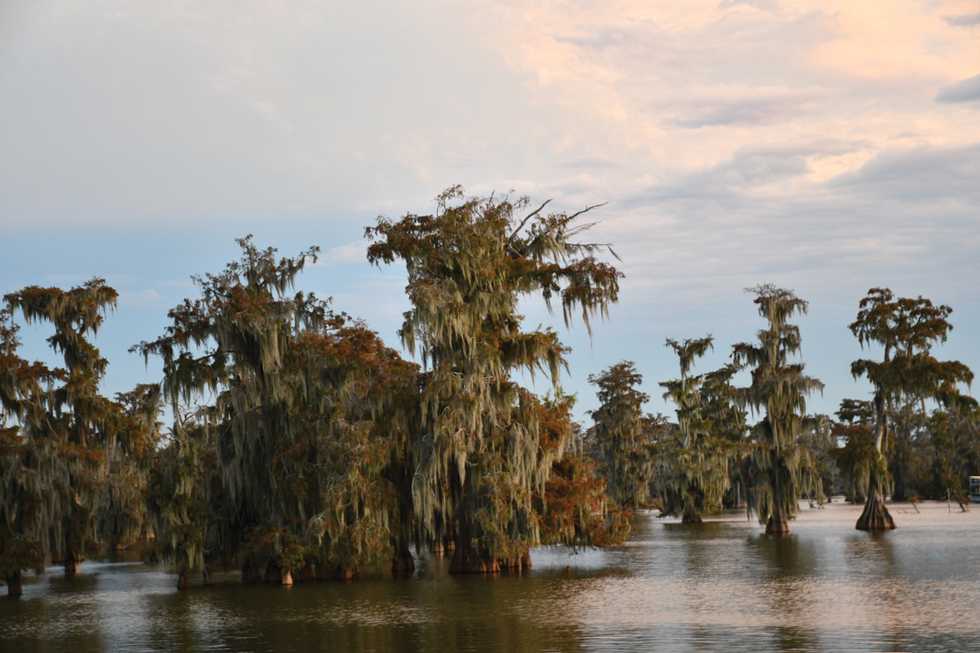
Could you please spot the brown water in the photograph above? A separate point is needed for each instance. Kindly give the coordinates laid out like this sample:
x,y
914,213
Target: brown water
x,y
722,586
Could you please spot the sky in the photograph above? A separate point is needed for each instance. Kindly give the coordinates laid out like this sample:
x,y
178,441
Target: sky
x,y
825,146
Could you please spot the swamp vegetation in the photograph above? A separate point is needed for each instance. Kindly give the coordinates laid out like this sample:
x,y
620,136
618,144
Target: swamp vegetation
x,y
300,446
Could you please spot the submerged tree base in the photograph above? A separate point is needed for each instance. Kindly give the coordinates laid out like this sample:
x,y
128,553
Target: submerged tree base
x,y
691,518
15,586
470,562
403,564
875,516
777,526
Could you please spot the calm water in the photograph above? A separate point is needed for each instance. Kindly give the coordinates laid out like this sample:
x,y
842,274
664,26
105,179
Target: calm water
x,y
722,586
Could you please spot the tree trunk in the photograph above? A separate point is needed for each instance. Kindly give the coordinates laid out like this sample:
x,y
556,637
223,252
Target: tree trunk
x,y
15,585
307,573
70,564
467,559
278,575
403,563
345,573
777,524
875,516
518,564
691,516
183,580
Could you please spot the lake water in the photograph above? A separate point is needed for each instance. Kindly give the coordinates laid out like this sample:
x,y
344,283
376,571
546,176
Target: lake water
x,y
722,586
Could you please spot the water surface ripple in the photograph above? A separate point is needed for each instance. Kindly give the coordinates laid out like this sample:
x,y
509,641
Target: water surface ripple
x,y
721,586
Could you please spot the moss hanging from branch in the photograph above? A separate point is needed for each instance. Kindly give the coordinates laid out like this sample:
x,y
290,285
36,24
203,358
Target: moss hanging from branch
x,y
778,465
481,457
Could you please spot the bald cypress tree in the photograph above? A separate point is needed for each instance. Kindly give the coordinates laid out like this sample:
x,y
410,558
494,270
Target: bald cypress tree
x,y
133,436
481,456
32,478
621,435
312,414
696,456
906,329
72,417
779,388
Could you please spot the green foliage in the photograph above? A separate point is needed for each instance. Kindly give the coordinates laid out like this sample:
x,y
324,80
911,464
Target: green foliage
x,y
906,329
781,470
122,517
64,424
697,457
481,455
183,497
621,437
856,428
312,413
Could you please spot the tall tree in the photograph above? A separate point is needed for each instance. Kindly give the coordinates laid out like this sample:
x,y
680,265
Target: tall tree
x,y
73,416
696,471
122,516
624,445
310,411
906,329
481,459
574,509
780,388
855,424
32,477
184,499
955,444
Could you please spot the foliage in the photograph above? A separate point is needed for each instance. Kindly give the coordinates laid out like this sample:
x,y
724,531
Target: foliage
x,y
623,443
906,329
696,471
65,425
781,470
311,411
481,451
122,514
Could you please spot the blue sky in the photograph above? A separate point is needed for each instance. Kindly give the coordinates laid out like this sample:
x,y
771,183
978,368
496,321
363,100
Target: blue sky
x,y
823,146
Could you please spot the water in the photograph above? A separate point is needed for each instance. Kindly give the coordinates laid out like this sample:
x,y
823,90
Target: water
x,y
722,586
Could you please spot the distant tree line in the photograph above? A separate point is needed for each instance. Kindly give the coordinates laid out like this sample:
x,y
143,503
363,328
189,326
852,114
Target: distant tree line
x,y
299,446
917,437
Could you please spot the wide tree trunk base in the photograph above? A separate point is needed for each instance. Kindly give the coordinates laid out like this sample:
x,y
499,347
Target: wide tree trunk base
x,y
691,518
346,573
403,564
472,563
777,526
307,573
467,561
276,575
875,516
71,568
15,586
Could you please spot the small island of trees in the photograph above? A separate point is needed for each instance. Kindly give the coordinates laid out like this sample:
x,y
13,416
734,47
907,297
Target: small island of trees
x,y
301,447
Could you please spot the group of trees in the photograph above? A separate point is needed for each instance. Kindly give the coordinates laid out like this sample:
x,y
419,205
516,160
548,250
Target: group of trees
x,y
299,446
891,445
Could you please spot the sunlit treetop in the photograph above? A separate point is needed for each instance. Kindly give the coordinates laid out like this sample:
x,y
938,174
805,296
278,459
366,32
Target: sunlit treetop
x,y
906,329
